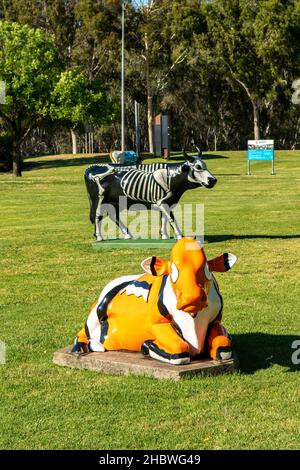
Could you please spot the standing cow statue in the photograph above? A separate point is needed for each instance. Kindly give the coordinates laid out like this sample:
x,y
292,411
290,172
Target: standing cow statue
x,y
171,313
158,185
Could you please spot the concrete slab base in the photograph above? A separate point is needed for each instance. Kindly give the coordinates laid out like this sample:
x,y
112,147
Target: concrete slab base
x,y
126,363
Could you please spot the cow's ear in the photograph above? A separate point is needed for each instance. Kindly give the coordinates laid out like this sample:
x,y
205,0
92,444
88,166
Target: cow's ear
x,y
155,266
222,263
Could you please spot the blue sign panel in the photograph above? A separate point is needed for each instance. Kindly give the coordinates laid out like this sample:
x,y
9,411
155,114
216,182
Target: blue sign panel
x,y
260,149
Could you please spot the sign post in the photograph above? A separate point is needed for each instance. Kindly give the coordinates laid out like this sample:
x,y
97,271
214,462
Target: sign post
x,y
137,129
260,150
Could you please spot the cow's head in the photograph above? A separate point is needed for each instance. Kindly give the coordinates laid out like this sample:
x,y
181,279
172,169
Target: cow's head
x,y
190,273
197,171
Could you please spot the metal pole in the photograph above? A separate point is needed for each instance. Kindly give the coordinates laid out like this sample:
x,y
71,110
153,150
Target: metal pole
x,y
248,168
273,167
137,128
123,79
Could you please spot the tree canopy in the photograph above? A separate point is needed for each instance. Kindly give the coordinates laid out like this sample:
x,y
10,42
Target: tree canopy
x,y
76,101
223,70
29,67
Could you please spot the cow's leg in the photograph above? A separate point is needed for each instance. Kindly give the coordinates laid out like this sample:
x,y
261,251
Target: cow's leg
x,y
98,219
167,345
170,218
81,344
163,226
88,338
121,225
177,232
218,342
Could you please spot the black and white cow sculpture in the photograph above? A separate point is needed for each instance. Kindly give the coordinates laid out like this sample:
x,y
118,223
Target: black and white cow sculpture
x,y
160,185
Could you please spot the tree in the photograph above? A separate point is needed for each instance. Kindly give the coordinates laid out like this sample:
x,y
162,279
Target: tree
x,y
151,53
55,17
29,66
96,48
52,16
76,101
61,22
97,40
24,11
257,43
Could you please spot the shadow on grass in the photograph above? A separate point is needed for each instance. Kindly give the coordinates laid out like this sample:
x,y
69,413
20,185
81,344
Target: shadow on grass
x,y
229,174
64,162
257,351
212,156
222,238
78,161
206,156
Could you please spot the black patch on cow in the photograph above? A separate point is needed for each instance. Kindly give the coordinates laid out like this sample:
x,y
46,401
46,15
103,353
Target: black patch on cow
x,y
161,306
143,284
219,316
150,346
224,349
177,329
226,261
87,330
152,268
102,308
104,330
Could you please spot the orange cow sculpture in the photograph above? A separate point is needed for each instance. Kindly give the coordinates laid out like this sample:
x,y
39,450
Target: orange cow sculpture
x,y
172,312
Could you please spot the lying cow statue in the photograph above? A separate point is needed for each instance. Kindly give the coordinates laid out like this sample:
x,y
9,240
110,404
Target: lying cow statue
x,y
172,313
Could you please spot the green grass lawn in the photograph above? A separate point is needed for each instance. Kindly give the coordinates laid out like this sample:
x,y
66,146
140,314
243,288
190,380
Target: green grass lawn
x,y
50,275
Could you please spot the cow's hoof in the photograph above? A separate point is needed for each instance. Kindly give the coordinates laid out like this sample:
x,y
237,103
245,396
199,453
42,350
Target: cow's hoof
x,y
145,348
95,346
164,237
79,348
127,236
99,239
223,353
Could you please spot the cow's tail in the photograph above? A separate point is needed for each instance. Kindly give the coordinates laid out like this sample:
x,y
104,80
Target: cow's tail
x,y
92,210
92,196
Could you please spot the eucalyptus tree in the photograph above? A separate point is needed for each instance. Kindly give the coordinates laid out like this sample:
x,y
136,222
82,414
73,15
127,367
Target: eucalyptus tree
x,y
153,52
97,39
258,43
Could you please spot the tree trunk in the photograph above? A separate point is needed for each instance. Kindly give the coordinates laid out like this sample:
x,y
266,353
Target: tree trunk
x,y
254,105
74,142
17,160
256,120
150,123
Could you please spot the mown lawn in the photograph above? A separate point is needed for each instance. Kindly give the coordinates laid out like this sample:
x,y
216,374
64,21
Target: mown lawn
x,y
50,275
